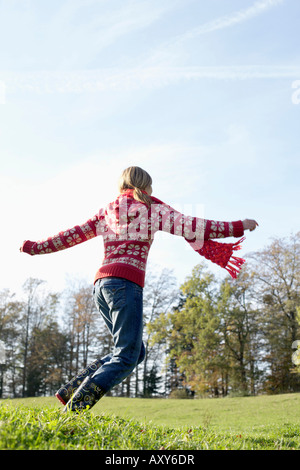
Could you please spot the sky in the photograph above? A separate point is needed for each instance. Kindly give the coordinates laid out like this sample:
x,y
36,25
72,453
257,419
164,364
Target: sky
x,y
205,96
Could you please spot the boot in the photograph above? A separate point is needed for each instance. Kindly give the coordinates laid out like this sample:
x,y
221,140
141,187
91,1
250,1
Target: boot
x,y
64,393
85,397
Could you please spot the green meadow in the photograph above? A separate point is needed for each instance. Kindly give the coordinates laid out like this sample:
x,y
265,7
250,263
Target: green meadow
x,y
244,423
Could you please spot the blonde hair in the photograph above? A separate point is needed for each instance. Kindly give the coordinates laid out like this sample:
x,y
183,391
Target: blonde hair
x,y
137,179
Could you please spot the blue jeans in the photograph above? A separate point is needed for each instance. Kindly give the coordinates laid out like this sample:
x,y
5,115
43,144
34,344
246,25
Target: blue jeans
x,y
120,302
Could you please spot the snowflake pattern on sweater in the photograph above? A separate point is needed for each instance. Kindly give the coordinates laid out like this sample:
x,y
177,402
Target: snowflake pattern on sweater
x,y
128,228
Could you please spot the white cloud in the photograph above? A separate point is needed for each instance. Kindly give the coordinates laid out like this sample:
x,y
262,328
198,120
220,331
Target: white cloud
x,y
84,29
168,51
151,72
227,21
65,33
120,79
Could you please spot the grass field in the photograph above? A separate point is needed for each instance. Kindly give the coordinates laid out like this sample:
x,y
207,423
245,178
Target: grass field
x,y
249,423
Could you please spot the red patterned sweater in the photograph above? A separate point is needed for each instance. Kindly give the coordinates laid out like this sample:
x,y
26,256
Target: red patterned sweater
x,y
128,228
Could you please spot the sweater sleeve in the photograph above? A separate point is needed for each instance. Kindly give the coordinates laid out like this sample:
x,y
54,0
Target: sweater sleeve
x,y
68,238
193,229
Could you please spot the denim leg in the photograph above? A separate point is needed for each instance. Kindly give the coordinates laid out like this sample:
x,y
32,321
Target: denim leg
x,y
120,303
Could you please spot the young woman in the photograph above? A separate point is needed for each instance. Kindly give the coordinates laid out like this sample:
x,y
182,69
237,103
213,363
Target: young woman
x,y
128,226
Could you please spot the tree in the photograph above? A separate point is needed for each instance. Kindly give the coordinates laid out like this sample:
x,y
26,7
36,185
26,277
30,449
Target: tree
x,y
160,294
31,317
10,313
191,335
87,334
296,345
240,330
276,274
48,352
196,333
41,341
212,337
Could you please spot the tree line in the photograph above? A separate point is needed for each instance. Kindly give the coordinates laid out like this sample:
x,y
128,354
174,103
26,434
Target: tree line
x,y
208,338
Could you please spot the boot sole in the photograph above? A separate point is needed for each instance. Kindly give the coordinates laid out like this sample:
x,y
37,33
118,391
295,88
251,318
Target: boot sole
x,y
60,399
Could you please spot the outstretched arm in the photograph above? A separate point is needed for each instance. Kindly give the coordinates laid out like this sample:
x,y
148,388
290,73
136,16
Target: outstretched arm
x,y
64,239
215,229
200,234
167,219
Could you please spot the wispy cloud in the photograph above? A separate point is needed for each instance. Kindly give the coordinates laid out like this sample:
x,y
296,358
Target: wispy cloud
x,y
93,81
230,20
167,49
85,28
153,71
68,34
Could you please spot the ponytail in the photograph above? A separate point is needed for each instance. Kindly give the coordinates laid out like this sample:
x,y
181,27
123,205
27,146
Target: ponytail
x,y
142,196
137,179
